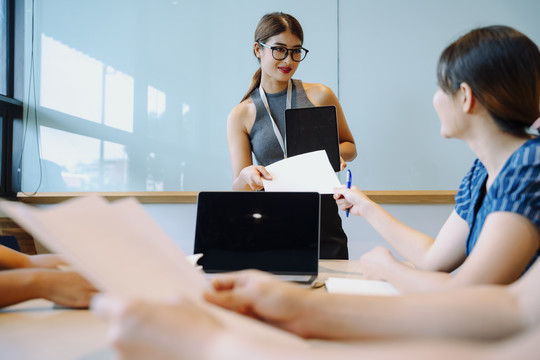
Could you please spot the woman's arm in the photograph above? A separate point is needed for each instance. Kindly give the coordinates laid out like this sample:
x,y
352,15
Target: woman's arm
x,y
481,312
143,330
321,95
32,276
11,259
415,246
63,287
17,286
246,176
505,246
432,260
380,264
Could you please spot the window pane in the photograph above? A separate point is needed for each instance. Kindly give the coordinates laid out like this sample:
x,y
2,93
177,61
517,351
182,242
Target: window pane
x,y
91,164
3,48
71,82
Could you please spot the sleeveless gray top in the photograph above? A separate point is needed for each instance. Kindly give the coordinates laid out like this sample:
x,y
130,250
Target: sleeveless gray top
x,y
264,143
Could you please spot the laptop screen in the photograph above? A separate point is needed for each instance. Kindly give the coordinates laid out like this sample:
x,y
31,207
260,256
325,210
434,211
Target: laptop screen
x,y
276,232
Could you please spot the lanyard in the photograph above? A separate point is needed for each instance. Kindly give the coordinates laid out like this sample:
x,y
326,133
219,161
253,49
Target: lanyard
x,y
274,125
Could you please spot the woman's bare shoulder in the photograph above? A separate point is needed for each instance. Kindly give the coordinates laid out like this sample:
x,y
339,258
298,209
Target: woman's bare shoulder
x,y
319,94
243,114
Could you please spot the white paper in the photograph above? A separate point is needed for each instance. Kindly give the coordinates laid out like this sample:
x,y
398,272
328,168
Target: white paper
x,y
306,172
360,286
110,245
123,251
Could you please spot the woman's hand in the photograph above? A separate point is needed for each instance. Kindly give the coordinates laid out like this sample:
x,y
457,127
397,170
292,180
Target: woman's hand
x,y
264,297
65,288
373,263
252,176
145,330
352,199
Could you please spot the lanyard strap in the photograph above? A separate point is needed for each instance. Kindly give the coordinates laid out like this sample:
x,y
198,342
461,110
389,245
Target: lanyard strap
x,y
274,125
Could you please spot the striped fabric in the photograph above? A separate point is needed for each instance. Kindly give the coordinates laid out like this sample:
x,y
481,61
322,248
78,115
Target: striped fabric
x,y
516,189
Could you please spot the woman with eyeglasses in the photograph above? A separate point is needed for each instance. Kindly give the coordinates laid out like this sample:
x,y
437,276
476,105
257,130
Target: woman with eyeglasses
x,y
257,124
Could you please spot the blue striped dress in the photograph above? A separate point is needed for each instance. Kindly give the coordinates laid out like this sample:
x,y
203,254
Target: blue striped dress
x,y
516,189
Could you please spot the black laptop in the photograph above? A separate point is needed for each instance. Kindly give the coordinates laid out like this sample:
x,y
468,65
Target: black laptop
x,y
277,232
312,129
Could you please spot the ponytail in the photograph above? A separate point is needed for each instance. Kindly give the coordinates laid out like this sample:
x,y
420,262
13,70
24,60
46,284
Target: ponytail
x,y
255,82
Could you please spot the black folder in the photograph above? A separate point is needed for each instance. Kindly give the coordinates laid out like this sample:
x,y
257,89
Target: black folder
x,y
312,129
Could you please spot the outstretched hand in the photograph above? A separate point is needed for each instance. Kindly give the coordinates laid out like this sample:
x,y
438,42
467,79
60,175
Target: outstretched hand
x,y
67,288
261,296
373,263
252,175
352,199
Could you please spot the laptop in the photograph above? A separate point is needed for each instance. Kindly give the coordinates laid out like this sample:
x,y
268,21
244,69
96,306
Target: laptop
x,y
311,129
277,232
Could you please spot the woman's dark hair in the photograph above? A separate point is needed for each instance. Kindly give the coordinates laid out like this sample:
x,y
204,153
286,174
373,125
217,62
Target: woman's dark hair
x,y
502,67
271,25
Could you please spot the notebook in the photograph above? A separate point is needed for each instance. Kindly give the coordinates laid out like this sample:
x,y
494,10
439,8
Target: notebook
x,y
311,129
277,232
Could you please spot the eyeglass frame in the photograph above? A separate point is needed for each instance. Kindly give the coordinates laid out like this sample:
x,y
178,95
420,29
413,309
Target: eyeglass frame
x,y
286,52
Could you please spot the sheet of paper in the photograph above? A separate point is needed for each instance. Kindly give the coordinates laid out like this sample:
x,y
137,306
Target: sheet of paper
x,y
110,245
306,172
123,251
360,286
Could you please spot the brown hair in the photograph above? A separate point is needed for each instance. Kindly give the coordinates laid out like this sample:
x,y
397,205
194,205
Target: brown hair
x,y
502,67
271,25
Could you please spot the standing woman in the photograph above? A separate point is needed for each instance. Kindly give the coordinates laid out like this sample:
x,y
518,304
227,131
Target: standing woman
x,y
489,97
258,122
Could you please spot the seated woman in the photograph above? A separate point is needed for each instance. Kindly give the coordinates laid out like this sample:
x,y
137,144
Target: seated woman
x,y
24,277
488,96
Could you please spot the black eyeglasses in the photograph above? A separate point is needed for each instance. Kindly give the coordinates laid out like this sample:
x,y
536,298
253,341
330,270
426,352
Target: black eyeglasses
x,y
281,52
